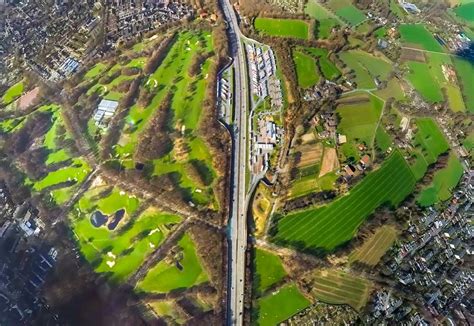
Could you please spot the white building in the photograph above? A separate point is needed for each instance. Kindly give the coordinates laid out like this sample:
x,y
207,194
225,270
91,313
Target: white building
x,y
104,112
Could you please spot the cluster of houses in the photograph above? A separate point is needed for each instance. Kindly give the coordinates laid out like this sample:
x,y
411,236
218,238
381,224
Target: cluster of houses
x,y
25,261
262,67
127,19
431,263
224,95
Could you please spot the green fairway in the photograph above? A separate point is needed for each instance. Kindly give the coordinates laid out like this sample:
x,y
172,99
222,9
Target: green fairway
x,y
465,73
95,70
332,225
180,271
283,27
120,252
336,287
306,69
366,67
77,172
268,271
13,93
423,81
280,305
417,35
443,183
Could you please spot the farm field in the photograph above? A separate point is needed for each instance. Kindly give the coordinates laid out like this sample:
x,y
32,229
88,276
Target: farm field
x,y
393,89
280,305
375,246
118,248
366,67
417,35
326,20
347,11
306,70
269,270
283,27
465,74
359,116
337,287
182,270
326,227
382,139
443,182
13,93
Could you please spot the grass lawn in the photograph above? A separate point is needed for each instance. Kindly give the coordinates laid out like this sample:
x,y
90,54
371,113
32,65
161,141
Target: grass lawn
x,y
336,287
366,67
443,183
351,14
95,71
465,74
329,226
430,139
269,269
393,89
120,252
182,271
375,246
418,35
13,93
382,139
280,305
283,27
306,69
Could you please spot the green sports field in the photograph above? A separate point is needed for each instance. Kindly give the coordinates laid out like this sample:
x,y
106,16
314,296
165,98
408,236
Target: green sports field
x,y
417,35
280,305
443,183
329,226
337,287
268,271
283,27
183,270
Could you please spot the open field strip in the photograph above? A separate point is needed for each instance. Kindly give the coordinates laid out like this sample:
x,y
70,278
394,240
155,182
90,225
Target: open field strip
x,y
329,69
366,67
306,70
327,227
283,27
375,246
347,11
326,20
336,287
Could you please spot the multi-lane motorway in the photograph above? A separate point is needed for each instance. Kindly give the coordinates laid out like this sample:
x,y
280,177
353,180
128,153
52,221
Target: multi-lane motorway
x,y
238,223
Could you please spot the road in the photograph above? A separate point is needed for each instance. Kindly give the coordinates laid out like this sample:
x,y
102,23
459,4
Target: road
x,y
238,217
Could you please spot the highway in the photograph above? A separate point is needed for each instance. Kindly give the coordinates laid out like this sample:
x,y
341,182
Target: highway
x,y
238,214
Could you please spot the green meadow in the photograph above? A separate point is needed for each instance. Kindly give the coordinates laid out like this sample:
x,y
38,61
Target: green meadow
x,y
421,78
306,69
280,305
419,36
184,270
465,74
269,269
283,27
444,181
329,69
366,67
325,19
346,11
